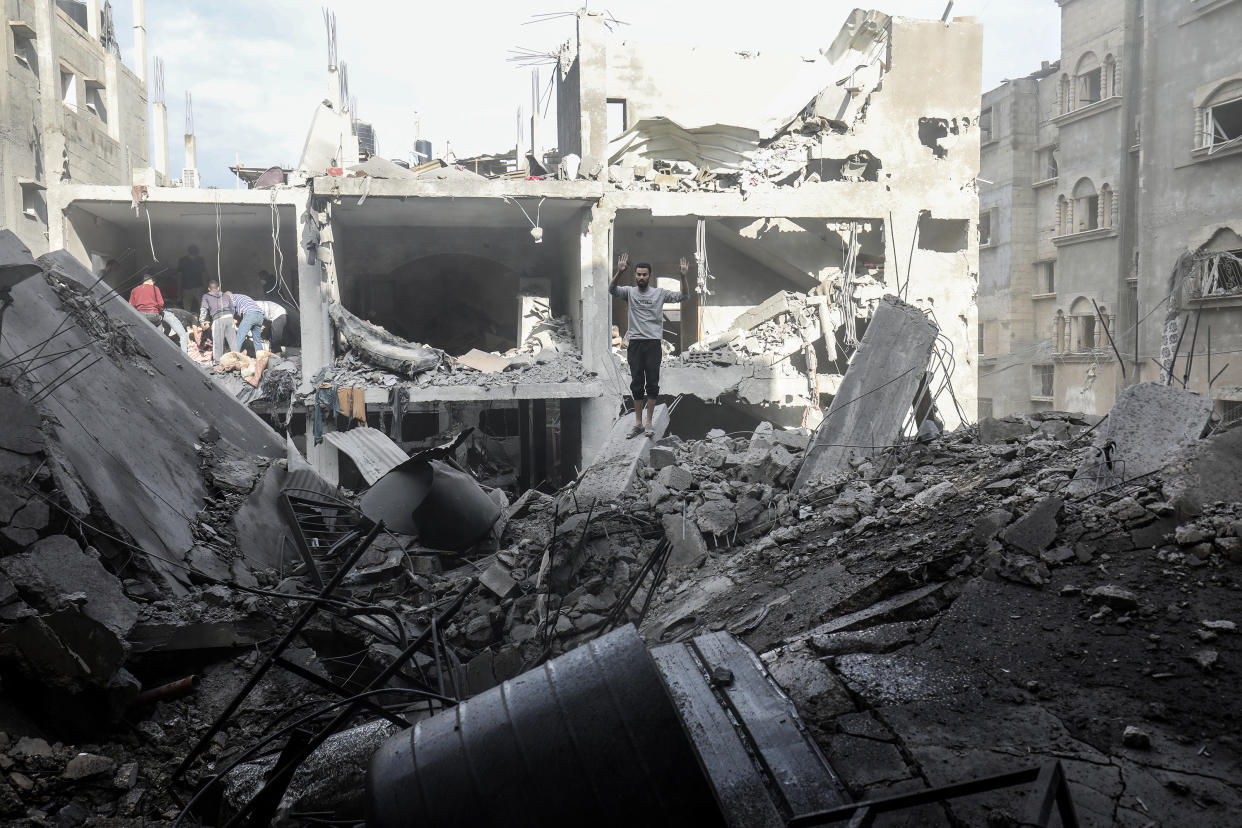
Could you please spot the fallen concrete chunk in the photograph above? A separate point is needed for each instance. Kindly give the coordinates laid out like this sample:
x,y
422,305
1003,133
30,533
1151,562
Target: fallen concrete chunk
x,y
19,428
689,548
994,432
716,517
675,478
877,392
1035,531
1205,472
1147,424
381,348
81,616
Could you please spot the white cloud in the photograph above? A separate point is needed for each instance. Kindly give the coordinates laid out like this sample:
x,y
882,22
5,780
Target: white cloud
x,y
257,69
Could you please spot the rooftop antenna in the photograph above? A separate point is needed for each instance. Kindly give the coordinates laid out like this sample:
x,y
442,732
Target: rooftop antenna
x,y
189,114
944,18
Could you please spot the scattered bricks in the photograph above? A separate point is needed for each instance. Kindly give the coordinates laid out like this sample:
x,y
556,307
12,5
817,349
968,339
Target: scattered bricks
x,y
1035,531
1136,738
675,478
993,431
1111,595
88,766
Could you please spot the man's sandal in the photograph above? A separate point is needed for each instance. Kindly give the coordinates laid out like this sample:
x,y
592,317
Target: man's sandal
x,y
649,431
634,432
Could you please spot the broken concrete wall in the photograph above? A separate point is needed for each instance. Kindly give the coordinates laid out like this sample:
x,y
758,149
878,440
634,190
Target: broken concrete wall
x,y
129,440
877,393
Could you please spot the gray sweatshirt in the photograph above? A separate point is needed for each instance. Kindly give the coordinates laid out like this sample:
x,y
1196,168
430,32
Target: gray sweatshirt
x,y
646,308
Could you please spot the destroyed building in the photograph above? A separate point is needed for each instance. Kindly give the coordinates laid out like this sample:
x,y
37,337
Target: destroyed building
x,y
814,187
818,594
1109,235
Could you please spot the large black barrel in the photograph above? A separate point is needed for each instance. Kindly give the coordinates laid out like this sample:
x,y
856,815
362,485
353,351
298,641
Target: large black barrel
x,y
590,738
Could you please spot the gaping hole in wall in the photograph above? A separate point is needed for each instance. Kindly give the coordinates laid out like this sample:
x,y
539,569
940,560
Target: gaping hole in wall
x,y
861,166
693,418
1217,266
942,235
452,301
938,135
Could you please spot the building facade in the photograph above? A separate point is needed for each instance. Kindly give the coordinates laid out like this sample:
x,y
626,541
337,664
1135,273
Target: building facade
x,y
1105,169
73,111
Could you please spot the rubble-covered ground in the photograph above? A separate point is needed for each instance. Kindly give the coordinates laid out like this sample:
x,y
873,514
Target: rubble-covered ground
x,y
940,611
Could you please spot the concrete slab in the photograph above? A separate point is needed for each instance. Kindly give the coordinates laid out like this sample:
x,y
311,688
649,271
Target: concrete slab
x,y
1205,472
128,425
616,465
876,393
1148,423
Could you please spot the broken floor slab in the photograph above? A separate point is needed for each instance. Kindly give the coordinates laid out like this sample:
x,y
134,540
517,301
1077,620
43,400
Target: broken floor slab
x,y
616,464
876,393
1146,425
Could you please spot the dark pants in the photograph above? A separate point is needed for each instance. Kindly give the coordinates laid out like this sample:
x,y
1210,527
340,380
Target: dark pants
x,y
644,358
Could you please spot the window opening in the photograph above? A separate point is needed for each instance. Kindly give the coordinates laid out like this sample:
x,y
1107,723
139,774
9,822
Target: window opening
x,y
1044,377
1224,124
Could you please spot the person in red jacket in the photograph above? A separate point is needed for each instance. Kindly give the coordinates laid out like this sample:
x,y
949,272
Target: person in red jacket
x,y
147,300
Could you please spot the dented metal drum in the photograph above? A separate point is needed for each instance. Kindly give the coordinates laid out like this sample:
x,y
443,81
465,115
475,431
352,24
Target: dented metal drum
x,y
590,738
456,513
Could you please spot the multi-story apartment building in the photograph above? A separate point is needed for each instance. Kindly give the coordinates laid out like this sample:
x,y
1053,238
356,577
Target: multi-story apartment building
x,y
72,111
1103,170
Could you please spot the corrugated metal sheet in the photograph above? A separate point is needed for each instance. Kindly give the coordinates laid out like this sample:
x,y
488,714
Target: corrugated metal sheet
x,y
373,451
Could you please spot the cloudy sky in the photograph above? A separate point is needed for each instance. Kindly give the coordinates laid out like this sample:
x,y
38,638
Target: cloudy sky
x,y
257,69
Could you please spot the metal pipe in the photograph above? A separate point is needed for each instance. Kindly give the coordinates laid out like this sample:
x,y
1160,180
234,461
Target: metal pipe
x,y
172,690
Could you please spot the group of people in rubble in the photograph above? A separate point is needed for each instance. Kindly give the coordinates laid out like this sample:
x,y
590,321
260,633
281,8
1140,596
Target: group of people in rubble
x,y
227,321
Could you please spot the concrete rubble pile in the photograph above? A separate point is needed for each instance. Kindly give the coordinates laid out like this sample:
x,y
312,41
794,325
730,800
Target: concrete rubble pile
x,y
939,610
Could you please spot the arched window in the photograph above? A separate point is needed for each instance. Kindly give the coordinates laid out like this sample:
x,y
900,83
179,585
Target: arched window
x,y
1111,85
1218,116
1086,209
1082,326
1088,80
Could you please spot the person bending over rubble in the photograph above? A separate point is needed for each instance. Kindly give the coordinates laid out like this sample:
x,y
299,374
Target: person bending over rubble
x,y
251,319
147,300
217,309
646,334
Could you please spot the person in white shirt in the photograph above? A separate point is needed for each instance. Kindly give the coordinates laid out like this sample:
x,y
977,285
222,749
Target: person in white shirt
x,y
277,317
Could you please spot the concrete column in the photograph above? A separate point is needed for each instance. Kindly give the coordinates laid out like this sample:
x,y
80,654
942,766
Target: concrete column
x,y
592,86
598,414
191,153
314,312
536,122
93,24
159,124
140,39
